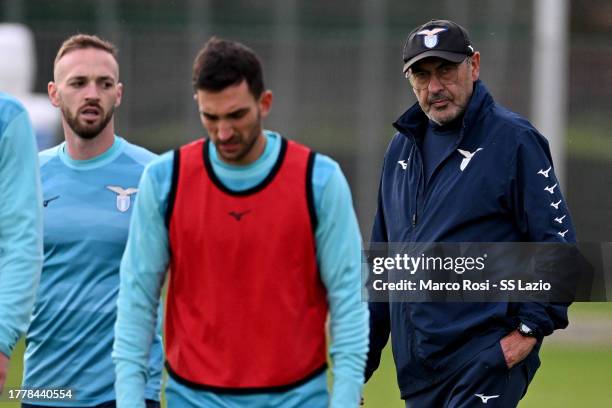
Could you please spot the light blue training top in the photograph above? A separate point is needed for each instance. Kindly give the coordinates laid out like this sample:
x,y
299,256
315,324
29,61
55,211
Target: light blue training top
x,y
20,222
87,207
145,262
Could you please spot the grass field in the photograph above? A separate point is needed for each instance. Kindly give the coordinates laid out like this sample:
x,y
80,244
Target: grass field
x,y
570,375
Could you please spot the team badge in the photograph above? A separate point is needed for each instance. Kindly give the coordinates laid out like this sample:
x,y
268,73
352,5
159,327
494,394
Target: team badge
x,y
123,196
430,38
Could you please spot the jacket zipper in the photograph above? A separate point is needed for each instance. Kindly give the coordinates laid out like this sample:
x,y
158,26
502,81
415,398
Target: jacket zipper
x,y
426,189
416,204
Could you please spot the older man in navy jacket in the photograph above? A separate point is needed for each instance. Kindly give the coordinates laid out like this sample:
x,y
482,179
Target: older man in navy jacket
x,y
461,168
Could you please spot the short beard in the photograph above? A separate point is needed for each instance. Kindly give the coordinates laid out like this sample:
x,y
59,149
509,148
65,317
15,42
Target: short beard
x,y
447,121
253,135
86,132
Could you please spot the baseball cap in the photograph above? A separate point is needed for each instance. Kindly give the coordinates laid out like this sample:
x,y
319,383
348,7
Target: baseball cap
x,y
437,38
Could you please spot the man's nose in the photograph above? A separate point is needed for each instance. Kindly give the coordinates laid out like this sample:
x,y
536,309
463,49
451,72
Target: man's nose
x,y
434,84
92,91
225,131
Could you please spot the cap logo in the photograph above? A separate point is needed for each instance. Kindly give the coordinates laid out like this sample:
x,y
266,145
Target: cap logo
x,y
430,38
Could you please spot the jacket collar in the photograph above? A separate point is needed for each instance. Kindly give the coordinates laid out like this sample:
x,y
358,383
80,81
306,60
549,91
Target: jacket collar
x,y
414,121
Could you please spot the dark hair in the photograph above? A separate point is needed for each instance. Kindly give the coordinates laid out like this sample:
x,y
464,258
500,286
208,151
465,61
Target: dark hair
x,y
82,41
222,63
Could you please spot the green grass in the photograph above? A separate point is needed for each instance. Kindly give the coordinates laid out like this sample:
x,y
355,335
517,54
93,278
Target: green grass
x,y
572,377
382,391
591,309
14,375
589,141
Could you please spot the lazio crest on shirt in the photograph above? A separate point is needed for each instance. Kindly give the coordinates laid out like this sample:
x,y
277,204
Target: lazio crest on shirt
x,y
123,196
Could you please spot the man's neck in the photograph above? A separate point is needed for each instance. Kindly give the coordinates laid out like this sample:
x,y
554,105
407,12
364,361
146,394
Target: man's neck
x,y
258,148
79,148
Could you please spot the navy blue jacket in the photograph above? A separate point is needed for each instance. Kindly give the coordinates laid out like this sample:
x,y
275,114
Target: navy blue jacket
x,y
496,196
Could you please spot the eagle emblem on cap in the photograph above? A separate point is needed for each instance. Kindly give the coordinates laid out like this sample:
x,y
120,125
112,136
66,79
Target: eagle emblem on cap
x,y
430,38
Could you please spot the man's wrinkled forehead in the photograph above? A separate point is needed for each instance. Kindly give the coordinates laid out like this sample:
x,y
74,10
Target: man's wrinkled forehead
x,y
86,62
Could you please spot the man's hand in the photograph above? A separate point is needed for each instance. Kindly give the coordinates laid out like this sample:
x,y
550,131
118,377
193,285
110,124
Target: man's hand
x,y
516,347
4,362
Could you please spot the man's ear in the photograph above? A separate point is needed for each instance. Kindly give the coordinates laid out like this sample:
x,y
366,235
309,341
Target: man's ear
x,y
119,94
265,103
52,92
475,66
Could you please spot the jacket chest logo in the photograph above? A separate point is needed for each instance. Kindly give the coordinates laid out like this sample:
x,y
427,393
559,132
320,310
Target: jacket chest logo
x,y
123,196
467,156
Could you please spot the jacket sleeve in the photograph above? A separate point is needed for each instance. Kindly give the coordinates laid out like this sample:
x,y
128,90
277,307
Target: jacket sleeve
x,y
542,215
20,227
339,255
380,323
142,273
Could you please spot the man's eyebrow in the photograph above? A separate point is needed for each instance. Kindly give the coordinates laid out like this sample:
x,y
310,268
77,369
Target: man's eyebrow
x,y
100,78
208,114
417,68
238,111
232,113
